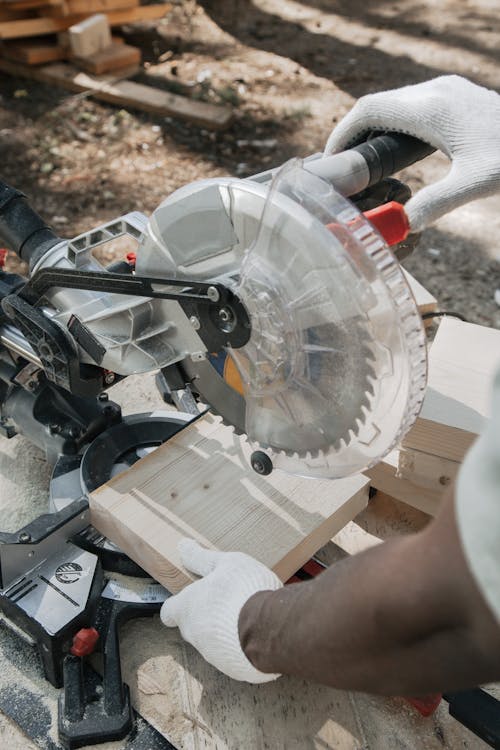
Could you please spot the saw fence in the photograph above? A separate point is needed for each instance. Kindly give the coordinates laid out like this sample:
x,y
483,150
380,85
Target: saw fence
x,y
74,44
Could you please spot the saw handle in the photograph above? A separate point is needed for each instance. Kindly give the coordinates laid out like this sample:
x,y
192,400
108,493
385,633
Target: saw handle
x,y
21,228
387,154
368,163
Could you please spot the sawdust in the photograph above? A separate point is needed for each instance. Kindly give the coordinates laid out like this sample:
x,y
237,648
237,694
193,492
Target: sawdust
x,y
24,481
10,735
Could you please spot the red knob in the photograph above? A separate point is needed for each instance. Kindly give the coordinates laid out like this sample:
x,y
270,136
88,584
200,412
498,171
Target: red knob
x,y
84,642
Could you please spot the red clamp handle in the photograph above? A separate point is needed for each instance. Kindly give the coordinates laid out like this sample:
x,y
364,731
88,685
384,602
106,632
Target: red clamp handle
x,y
391,221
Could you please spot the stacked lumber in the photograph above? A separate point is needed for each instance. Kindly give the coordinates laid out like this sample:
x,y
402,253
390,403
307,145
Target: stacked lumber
x,y
28,29
67,43
21,19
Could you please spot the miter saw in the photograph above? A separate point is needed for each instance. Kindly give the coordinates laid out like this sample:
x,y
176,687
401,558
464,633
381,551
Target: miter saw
x,y
273,301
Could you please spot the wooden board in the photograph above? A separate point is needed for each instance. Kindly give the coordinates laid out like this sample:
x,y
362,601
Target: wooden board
x,y
127,94
200,485
462,361
74,7
114,57
41,26
34,52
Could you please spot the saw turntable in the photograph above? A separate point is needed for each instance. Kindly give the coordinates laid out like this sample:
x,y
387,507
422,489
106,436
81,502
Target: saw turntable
x,y
273,301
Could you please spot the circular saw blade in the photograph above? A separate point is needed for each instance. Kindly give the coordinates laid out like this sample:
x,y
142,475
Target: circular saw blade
x,y
334,372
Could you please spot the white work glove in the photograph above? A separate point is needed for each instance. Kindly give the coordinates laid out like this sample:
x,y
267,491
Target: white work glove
x,y
207,611
450,113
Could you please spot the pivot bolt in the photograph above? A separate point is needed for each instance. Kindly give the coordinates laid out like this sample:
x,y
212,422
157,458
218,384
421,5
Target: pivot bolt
x,y
25,537
261,463
213,294
103,397
225,314
109,378
227,320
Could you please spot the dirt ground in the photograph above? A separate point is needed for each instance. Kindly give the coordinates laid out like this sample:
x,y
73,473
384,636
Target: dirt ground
x,y
290,70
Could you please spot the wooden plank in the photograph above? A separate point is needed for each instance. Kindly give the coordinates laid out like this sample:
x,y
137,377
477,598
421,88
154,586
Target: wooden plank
x,y
114,57
200,484
42,26
34,52
462,361
77,7
127,94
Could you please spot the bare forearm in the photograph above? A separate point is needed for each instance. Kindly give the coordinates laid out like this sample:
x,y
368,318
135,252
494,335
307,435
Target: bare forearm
x,y
377,622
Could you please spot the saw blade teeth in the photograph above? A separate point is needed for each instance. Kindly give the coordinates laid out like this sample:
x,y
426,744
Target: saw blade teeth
x,y
368,354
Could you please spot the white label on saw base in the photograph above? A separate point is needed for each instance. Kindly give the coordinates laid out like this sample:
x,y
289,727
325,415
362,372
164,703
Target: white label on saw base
x,y
150,592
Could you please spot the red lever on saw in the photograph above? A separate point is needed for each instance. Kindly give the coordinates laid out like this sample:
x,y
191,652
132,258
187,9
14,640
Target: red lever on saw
x,y
390,220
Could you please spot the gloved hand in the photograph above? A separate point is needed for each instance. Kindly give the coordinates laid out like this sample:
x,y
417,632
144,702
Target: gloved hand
x,y
207,611
450,113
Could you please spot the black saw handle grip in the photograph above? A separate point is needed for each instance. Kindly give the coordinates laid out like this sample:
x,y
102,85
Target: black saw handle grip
x,y
368,163
387,154
21,228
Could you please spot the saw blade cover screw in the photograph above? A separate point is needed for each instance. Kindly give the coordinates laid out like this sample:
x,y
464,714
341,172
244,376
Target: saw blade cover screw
x,y
109,378
103,397
195,322
213,294
25,537
261,463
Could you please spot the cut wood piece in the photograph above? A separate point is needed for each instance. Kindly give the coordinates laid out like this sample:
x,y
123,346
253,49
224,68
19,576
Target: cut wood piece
x,y
42,26
114,57
425,470
127,94
34,52
462,361
90,36
199,484
385,477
